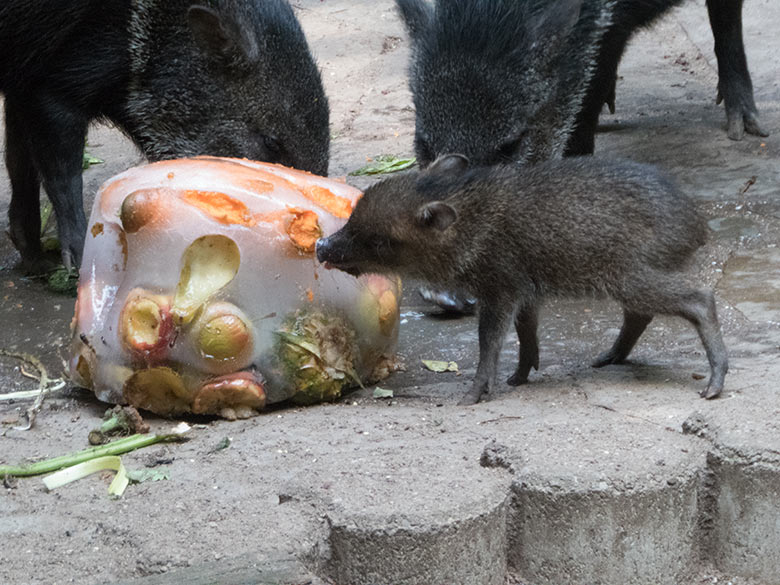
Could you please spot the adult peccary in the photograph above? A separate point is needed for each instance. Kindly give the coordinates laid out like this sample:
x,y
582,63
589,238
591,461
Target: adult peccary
x,y
233,78
502,80
511,235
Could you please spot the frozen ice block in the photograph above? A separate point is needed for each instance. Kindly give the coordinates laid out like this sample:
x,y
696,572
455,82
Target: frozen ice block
x,y
199,292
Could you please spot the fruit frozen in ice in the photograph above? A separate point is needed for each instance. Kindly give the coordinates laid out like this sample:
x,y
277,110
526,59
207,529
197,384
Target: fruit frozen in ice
x,y
317,353
237,395
222,335
159,389
199,292
146,326
208,265
145,207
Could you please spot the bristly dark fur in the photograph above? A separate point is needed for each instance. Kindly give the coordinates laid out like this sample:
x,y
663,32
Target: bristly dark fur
x,y
511,235
223,77
501,80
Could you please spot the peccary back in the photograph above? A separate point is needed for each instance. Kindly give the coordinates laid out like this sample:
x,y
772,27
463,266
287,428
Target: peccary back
x,y
570,227
234,78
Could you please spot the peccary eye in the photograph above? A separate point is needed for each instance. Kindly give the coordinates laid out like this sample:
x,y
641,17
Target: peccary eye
x,y
273,144
509,149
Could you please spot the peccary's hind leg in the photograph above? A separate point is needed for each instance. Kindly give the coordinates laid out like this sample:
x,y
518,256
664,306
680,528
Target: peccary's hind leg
x,y
634,324
526,322
493,322
701,312
656,292
734,84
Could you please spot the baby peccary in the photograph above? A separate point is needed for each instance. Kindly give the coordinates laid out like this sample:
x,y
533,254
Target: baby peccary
x,y
511,235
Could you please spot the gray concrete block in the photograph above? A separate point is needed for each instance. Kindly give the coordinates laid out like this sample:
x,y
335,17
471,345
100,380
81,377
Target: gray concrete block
x,y
742,512
464,549
746,529
605,537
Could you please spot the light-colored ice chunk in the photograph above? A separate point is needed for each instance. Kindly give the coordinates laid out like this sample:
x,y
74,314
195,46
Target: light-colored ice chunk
x,y
199,292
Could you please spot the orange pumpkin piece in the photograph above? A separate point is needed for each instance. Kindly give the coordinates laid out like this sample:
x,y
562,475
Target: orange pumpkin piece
x,y
336,205
223,208
304,229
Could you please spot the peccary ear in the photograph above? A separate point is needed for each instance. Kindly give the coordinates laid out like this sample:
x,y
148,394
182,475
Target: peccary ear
x,y
216,38
449,164
437,214
549,26
417,16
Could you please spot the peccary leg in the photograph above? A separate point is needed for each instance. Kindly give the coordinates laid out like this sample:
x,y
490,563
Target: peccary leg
x,y
634,325
24,213
661,293
526,323
56,136
493,323
701,312
734,84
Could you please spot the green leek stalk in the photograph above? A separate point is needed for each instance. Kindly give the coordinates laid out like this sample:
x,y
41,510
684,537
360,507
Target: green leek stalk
x,y
117,447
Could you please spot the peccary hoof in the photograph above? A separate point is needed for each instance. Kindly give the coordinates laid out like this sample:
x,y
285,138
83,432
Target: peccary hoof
x,y
471,397
711,391
605,359
517,379
38,265
452,302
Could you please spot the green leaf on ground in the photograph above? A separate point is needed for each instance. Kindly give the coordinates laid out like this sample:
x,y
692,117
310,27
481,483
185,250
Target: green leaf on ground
x,y
90,160
385,163
440,366
382,393
64,282
142,475
222,445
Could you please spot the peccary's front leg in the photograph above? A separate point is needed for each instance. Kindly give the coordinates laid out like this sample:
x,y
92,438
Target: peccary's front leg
x,y
494,319
24,214
734,85
600,91
634,324
526,323
56,134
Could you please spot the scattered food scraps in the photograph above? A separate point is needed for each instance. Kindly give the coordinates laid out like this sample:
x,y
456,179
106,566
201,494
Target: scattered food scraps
x,y
81,470
117,447
118,421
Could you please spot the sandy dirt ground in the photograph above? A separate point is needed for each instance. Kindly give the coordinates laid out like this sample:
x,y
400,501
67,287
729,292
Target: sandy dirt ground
x,y
290,475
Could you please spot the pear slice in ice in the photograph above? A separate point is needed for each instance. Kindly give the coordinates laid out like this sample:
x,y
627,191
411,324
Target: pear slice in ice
x,y
208,265
160,390
223,337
